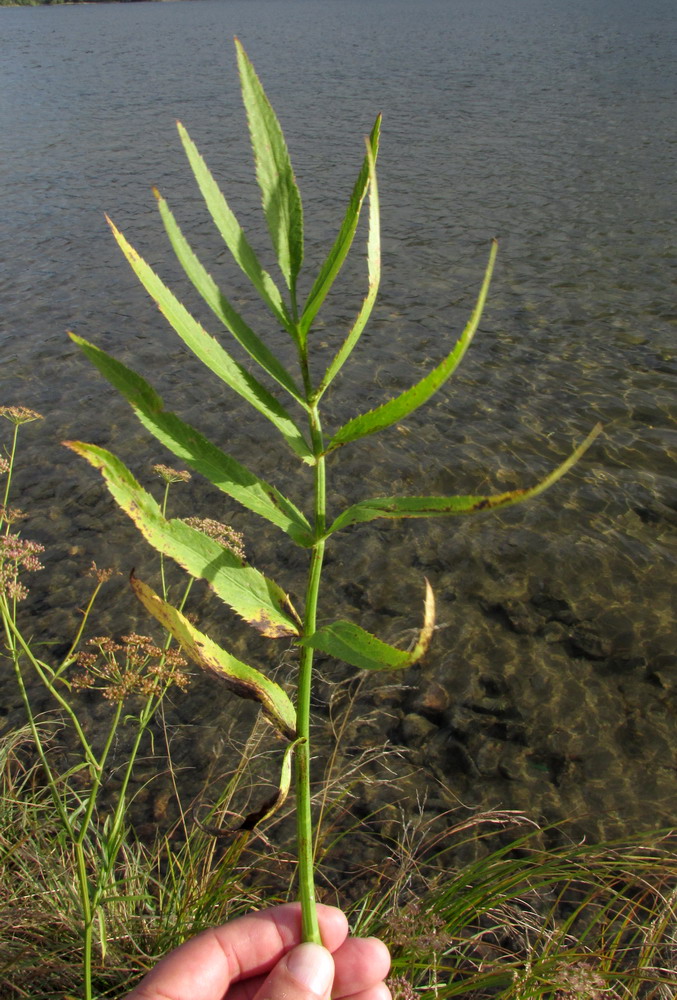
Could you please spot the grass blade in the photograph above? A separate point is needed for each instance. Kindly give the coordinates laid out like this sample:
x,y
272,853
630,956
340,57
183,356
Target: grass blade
x,y
352,644
339,251
210,352
243,680
249,593
217,302
280,194
396,507
233,235
191,447
374,273
401,406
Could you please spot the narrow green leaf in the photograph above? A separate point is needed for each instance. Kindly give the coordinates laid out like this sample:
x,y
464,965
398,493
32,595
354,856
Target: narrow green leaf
x,y
191,447
374,272
339,251
267,809
243,680
210,352
249,593
275,802
233,235
280,194
352,644
396,507
217,302
401,406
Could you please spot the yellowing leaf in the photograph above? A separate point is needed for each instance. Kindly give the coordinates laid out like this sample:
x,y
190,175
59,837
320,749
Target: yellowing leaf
x,y
243,680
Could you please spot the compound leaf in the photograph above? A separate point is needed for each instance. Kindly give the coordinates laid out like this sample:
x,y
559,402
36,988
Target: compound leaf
x,y
279,191
352,644
401,406
243,680
190,446
254,597
210,352
374,272
343,242
221,307
396,507
233,235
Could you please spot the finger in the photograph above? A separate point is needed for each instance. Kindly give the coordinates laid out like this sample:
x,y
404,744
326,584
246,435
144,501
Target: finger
x,y
206,965
378,992
361,963
305,973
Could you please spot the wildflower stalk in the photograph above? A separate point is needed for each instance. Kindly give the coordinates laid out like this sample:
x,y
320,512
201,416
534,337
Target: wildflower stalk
x,y
8,481
256,599
96,846
304,824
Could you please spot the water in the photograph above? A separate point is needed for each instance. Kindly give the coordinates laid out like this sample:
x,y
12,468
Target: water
x,y
552,685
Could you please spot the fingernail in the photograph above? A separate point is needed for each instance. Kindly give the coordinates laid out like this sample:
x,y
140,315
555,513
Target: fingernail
x,y
312,966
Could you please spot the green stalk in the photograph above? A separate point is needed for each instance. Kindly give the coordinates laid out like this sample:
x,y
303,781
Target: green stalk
x,y
8,483
311,930
87,920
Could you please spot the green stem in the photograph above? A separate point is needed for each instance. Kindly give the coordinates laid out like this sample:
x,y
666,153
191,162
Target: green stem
x,y
311,930
87,920
162,557
8,482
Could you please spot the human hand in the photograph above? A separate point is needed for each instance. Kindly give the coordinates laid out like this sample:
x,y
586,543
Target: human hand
x,y
260,957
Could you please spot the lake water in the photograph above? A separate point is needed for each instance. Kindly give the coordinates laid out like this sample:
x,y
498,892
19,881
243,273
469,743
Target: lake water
x,y
552,685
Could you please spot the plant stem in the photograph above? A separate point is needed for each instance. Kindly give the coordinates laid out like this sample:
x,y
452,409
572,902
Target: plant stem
x,y
311,930
8,483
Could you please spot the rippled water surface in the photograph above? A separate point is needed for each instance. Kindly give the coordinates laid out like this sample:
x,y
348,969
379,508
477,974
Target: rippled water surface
x,y
552,683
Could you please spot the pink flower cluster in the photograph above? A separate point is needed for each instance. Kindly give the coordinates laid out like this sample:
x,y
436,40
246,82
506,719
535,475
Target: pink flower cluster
x,y
17,554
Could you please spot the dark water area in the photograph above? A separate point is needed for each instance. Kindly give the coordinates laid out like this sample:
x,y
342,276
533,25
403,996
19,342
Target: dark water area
x,y
551,686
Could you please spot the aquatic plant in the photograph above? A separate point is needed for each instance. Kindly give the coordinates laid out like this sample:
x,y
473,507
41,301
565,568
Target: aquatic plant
x,y
260,601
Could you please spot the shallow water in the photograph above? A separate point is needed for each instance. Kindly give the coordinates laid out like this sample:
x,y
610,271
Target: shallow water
x,y
552,680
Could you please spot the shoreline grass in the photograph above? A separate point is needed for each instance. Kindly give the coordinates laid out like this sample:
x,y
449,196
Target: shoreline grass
x,y
588,921
87,902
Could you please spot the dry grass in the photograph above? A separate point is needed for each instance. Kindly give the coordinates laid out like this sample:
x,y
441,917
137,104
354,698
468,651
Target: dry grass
x,y
521,921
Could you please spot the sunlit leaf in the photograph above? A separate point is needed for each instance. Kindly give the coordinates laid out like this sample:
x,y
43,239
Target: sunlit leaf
x,y
217,302
352,644
401,406
339,251
233,235
374,273
396,507
191,447
249,593
243,680
281,198
210,352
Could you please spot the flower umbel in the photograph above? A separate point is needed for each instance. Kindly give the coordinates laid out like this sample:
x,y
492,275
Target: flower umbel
x,y
17,554
133,666
221,533
19,414
169,475
8,515
101,575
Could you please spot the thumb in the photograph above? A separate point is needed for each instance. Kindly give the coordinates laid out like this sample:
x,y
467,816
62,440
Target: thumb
x,y
305,973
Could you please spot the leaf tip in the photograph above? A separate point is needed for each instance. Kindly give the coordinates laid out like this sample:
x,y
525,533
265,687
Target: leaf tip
x,y
76,446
